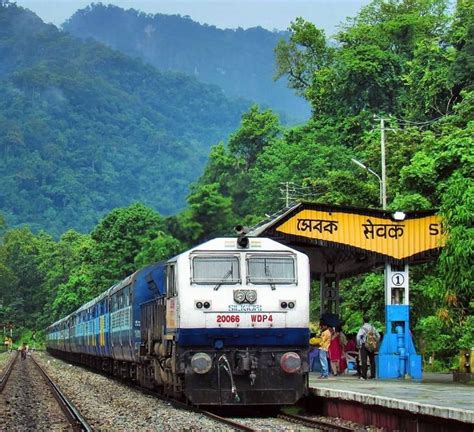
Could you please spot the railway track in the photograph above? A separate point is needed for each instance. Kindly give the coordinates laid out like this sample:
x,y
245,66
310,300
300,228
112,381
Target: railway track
x,y
6,373
253,422
320,424
30,400
281,422
228,422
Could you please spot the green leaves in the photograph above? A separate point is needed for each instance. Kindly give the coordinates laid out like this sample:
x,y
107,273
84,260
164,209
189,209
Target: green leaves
x,y
258,129
159,248
303,55
211,211
458,255
117,240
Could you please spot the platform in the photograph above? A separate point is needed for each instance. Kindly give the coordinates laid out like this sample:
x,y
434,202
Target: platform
x,y
435,396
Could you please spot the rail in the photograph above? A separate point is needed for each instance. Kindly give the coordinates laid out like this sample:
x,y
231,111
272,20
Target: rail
x,y
8,371
234,424
320,424
74,416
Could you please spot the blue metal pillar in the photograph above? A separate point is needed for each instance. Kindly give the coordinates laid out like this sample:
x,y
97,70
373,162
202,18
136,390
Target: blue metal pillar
x,y
397,357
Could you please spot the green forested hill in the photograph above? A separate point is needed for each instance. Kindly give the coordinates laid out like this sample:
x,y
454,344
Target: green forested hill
x,y
239,61
84,129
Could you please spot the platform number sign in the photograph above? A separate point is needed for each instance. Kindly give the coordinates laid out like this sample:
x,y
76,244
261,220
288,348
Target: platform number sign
x,y
398,279
331,294
396,284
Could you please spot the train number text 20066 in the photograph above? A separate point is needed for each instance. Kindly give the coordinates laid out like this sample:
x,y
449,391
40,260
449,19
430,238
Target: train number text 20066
x,y
228,318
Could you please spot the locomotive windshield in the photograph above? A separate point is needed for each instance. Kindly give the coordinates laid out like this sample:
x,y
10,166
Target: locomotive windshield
x,y
216,270
271,270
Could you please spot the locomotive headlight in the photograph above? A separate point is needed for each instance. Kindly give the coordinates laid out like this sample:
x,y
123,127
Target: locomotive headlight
x,y
251,296
201,363
239,296
290,362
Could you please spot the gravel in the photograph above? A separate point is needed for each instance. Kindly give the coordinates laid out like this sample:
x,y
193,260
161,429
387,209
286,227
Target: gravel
x,y
27,403
110,405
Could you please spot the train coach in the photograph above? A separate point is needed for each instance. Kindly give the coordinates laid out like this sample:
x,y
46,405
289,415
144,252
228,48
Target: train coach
x,y
224,323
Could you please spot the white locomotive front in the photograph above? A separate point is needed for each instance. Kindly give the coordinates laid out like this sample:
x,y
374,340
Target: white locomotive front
x,y
237,316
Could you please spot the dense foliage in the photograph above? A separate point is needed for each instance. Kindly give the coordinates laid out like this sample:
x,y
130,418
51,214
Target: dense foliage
x,y
239,61
411,62
85,129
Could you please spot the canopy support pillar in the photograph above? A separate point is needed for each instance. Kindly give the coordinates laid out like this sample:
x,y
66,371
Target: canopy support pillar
x,y
397,357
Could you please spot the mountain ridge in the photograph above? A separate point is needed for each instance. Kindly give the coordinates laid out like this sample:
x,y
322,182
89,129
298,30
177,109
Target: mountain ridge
x,y
239,61
84,128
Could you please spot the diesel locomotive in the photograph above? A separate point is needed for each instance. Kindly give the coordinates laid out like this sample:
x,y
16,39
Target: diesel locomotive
x,y
224,323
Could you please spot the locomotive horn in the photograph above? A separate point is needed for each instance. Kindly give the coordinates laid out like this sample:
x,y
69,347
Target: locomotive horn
x,y
241,230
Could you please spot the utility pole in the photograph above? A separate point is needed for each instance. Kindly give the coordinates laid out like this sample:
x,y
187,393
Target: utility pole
x,y
382,157
384,173
287,192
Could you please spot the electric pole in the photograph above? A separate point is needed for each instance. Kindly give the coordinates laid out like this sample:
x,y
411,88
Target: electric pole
x,y
287,192
382,157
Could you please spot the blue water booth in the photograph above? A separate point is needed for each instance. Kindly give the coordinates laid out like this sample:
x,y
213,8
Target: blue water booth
x,y
397,357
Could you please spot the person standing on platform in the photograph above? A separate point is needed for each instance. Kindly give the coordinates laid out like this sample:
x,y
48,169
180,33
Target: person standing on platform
x,y
323,350
335,351
367,341
314,364
353,353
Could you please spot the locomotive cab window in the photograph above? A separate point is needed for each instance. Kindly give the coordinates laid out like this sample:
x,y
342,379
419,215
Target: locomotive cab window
x,y
213,269
265,269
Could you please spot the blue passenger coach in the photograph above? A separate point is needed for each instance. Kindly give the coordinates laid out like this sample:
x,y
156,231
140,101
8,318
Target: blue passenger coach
x,y
105,332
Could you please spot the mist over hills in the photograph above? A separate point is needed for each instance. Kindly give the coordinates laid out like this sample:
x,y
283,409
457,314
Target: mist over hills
x,y
84,128
239,61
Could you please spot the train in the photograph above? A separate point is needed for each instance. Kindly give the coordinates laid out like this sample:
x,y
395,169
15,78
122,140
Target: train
x,y
224,323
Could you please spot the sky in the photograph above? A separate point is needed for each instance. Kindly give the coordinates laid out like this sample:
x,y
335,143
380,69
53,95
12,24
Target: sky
x,y
270,14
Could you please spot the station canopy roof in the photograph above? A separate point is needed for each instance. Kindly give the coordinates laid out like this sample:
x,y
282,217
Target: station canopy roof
x,y
349,241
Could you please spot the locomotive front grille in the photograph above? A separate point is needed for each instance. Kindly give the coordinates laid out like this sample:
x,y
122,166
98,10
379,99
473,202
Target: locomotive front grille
x,y
256,378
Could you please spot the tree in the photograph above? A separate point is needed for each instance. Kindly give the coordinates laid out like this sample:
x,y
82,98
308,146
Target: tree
x,y
211,211
117,240
304,56
20,253
258,129
160,248
462,38
63,265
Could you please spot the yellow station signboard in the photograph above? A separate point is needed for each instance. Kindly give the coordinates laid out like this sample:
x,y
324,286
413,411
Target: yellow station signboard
x,y
397,239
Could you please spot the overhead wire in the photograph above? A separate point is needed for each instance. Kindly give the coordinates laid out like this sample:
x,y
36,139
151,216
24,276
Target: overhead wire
x,y
417,123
